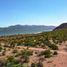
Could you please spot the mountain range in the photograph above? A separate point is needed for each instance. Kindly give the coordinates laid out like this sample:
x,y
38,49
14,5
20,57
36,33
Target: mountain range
x,y
24,29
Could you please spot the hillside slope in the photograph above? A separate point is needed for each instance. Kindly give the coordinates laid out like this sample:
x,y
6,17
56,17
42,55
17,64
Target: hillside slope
x,y
62,26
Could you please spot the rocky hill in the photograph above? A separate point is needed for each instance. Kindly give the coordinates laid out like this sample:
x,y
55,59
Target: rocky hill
x,y
62,26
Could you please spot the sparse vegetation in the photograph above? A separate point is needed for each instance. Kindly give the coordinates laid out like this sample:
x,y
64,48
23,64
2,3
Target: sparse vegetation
x,y
19,57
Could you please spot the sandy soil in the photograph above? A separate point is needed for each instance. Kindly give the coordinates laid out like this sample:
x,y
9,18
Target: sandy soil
x,y
60,60
57,61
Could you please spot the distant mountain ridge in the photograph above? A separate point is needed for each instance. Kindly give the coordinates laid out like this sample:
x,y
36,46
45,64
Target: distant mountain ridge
x,y
62,26
24,29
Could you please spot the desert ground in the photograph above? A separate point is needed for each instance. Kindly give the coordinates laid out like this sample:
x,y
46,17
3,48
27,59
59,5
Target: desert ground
x,y
59,60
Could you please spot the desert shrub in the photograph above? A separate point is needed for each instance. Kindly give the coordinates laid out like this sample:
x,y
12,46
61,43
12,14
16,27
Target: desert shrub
x,y
26,53
0,49
3,53
13,65
33,65
14,51
2,62
53,47
39,64
12,44
25,65
55,53
6,45
55,41
17,54
10,59
46,53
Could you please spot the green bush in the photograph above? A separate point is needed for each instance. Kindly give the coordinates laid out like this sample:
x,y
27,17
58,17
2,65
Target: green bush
x,y
47,53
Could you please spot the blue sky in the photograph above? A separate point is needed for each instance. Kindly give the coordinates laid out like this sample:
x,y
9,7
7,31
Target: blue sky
x,y
33,12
